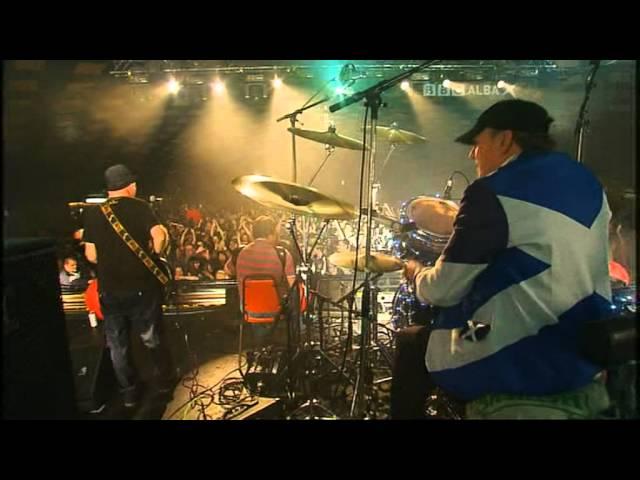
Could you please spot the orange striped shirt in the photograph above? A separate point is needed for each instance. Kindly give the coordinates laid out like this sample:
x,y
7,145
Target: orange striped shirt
x,y
261,258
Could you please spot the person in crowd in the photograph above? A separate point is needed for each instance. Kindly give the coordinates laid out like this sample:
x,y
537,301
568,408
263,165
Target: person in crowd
x,y
70,278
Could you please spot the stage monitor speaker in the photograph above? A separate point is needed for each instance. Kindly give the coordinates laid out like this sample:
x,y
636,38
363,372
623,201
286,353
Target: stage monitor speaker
x,y
37,375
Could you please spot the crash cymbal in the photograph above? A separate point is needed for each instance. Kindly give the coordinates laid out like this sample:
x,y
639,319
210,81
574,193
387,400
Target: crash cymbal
x,y
275,193
378,262
330,137
395,135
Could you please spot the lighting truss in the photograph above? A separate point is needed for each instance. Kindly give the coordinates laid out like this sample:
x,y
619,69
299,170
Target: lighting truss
x,y
139,71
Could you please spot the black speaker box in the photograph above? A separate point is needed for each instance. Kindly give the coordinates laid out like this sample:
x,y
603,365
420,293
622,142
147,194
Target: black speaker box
x,y
37,379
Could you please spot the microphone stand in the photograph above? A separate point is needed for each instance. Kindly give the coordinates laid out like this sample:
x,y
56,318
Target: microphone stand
x,y
345,76
293,119
362,394
582,120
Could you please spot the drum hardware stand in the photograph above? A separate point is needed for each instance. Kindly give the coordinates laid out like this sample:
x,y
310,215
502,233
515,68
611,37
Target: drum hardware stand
x,y
310,351
350,298
375,344
321,300
330,149
339,304
583,122
392,147
362,395
344,235
376,191
293,119
374,324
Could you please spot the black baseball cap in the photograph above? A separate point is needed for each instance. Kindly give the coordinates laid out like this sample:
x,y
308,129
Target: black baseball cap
x,y
518,115
117,177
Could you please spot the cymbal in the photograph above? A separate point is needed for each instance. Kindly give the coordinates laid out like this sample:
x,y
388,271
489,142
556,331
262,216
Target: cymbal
x,y
378,262
275,193
395,135
330,137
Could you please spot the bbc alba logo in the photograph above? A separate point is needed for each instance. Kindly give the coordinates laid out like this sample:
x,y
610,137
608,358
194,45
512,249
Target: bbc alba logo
x,y
439,90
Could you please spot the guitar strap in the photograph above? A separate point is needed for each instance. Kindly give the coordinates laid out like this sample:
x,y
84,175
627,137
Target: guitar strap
x,y
132,244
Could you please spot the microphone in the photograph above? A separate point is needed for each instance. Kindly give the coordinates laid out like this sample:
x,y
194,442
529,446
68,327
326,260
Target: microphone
x,y
446,194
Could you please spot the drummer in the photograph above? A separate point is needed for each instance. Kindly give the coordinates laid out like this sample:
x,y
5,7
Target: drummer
x,y
525,267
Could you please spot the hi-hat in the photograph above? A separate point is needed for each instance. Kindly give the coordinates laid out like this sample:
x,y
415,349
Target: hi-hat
x,y
395,135
330,137
275,193
378,262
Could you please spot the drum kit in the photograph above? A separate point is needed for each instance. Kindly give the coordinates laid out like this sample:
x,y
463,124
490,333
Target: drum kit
x,y
422,231
306,201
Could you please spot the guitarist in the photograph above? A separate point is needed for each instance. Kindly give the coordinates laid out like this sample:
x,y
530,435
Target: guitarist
x,y
122,237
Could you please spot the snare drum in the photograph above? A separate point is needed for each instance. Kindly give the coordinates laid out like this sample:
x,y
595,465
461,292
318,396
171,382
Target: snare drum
x,y
407,310
433,218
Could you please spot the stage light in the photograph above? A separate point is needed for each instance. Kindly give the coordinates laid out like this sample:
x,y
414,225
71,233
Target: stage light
x,y
277,82
457,87
173,86
404,85
218,86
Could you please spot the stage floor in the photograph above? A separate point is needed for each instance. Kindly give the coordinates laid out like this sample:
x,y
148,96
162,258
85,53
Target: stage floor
x,y
210,340
205,350
204,390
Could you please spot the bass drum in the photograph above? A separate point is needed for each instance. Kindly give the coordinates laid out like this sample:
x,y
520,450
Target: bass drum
x,y
407,310
428,225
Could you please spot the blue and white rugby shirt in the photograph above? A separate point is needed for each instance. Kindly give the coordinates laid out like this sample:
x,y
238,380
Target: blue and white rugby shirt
x,y
529,258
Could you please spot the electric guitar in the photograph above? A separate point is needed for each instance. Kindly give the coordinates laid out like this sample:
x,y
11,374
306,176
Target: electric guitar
x,y
163,264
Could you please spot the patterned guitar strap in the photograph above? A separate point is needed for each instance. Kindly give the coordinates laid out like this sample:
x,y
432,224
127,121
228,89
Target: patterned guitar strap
x,y
132,244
